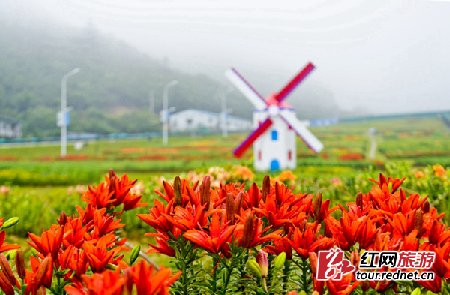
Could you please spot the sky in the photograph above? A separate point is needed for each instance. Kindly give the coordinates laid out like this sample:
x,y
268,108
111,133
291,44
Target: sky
x,y
385,56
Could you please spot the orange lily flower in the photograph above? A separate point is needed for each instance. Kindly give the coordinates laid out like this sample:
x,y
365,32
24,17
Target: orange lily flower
x,y
251,233
162,246
49,243
217,237
98,255
158,218
342,287
307,241
106,283
3,245
149,282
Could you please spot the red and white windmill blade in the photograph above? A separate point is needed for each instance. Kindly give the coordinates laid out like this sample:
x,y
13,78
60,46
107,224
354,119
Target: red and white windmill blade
x,y
273,105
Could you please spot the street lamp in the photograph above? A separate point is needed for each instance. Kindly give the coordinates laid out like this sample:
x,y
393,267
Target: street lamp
x,y
165,112
225,111
63,116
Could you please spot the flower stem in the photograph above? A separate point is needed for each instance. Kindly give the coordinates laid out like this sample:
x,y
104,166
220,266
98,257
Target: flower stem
x,y
286,270
242,269
215,262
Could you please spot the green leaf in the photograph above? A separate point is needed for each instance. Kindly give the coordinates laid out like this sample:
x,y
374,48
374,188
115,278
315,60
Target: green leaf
x,y
135,254
10,222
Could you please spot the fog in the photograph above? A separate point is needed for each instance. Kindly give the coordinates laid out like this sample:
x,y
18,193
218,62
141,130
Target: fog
x,y
385,56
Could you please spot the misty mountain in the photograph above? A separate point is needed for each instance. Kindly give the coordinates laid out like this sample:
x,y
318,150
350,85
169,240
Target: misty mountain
x,y
111,92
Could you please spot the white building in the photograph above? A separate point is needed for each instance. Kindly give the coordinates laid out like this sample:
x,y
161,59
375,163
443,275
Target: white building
x,y
197,119
10,127
276,148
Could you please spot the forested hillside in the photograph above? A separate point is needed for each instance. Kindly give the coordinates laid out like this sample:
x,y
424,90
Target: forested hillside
x,y
111,92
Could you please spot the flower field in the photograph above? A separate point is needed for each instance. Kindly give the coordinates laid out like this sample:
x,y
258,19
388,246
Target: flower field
x,y
210,224
221,236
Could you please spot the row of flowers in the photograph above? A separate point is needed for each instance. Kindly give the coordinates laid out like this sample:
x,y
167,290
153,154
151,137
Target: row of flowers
x,y
226,239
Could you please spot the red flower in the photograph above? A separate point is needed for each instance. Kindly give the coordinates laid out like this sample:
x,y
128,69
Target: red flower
x,y
149,282
342,287
162,246
98,255
49,243
142,276
306,241
3,245
158,218
279,246
106,283
251,234
214,240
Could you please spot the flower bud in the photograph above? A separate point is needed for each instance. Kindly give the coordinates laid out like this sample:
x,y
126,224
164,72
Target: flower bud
x,y
230,208
434,233
205,191
254,268
418,222
279,261
359,201
134,254
365,285
112,182
416,291
255,195
238,203
20,264
62,220
5,285
44,267
4,264
317,205
313,262
10,222
355,258
426,206
378,241
265,187
41,291
177,191
263,262
248,232
302,293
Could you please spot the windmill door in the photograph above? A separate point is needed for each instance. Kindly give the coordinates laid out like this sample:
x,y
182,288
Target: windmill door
x,y
274,165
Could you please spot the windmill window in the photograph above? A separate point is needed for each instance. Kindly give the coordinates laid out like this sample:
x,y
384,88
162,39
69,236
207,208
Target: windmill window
x,y
290,155
259,155
274,135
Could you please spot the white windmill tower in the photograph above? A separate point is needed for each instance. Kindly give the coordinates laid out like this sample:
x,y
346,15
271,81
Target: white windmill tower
x,y
275,123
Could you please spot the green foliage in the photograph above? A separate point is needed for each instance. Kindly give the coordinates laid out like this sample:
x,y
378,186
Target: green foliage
x,y
109,95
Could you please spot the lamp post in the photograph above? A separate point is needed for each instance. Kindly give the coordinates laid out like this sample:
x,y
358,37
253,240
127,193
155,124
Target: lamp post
x,y
165,112
64,110
225,111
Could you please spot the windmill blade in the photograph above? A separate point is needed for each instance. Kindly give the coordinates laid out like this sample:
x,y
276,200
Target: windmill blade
x,y
252,137
255,98
308,138
294,82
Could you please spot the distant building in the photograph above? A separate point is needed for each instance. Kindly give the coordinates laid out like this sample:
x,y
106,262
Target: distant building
x,y
10,127
197,119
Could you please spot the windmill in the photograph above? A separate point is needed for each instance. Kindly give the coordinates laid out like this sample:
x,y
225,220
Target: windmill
x,y
275,123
